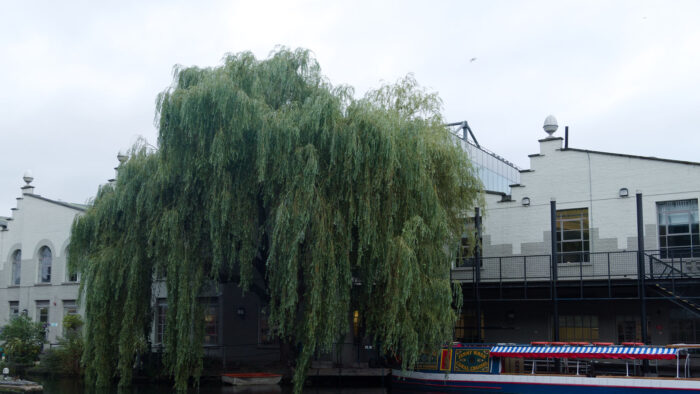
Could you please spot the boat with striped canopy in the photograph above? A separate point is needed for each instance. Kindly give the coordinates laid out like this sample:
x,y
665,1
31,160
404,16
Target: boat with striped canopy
x,y
480,368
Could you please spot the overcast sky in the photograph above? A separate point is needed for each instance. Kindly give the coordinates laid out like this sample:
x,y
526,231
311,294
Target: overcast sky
x,y
78,82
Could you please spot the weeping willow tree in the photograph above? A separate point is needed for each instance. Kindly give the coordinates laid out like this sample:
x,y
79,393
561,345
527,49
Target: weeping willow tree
x,y
264,166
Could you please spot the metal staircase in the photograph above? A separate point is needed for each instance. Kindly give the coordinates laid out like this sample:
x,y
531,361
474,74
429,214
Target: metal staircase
x,y
669,271
664,283
690,306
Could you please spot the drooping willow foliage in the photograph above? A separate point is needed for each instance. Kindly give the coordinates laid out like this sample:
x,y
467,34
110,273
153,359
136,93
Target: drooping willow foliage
x,y
263,166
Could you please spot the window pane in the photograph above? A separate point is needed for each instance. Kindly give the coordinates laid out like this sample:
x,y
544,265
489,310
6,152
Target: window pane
x,y
678,241
678,229
572,246
572,235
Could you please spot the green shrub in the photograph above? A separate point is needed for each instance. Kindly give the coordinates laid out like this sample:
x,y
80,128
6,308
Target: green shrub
x,y
70,348
23,339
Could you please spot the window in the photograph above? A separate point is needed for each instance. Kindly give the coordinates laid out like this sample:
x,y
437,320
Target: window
x,y
685,330
573,245
465,254
16,267
42,311
161,309
70,276
628,329
465,329
265,334
42,314
14,309
45,260
678,228
211,322
578,328
684,326
69,308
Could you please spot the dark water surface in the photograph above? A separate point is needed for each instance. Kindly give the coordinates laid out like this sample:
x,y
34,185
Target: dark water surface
x,y
69,386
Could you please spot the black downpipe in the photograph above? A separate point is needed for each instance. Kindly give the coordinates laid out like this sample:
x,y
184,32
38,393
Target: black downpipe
x,y
566,137
555,306
555,301
477,273
641,275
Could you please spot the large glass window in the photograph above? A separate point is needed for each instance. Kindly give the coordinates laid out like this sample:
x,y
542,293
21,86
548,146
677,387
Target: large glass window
x,y
678,228
16,267
45,261
573,243
578,328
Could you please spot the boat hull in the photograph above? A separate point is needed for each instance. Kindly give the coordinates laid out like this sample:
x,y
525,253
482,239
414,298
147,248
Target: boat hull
x,y
526,384
250,379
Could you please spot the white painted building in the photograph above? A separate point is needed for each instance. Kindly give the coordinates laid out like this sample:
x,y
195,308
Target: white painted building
x,y
33,274
595,195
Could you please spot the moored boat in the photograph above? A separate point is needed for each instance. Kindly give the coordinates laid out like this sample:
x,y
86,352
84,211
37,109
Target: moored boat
x,y
466,368
251,378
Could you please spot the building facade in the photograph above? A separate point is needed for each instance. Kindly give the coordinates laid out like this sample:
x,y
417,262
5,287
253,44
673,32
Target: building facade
x,y
34,279
601,283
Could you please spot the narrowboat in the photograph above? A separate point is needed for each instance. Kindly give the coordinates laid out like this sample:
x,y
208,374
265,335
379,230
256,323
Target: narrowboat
x,y
507,368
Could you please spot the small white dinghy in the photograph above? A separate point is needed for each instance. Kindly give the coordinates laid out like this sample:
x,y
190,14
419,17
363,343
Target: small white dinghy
x,y
251,378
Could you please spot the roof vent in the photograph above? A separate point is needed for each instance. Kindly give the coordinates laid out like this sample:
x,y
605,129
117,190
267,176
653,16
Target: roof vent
x,y
550,125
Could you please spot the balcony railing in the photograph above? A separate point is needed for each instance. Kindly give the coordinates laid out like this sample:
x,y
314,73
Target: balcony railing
x,y
682,263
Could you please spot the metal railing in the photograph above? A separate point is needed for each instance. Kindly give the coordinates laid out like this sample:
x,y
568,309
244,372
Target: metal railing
x,y
659,265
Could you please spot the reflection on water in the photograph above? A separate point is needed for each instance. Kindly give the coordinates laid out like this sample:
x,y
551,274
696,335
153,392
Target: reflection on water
x,y
70,386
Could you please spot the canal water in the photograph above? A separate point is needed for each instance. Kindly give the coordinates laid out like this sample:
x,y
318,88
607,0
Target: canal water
x,y
74,386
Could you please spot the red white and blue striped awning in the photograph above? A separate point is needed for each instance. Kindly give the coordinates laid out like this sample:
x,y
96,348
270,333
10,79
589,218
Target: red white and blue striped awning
x,y
616,352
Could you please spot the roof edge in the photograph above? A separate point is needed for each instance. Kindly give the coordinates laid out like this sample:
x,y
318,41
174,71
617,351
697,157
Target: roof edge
x,y
61,203
633,156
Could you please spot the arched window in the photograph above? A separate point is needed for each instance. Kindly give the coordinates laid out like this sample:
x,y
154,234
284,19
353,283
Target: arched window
x,y
16,267
70,275
45,260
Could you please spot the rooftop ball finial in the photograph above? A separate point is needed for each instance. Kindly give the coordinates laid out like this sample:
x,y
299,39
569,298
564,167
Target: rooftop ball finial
x,y
550,124
28,177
